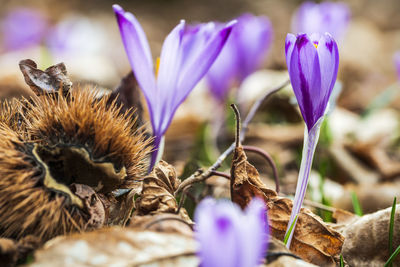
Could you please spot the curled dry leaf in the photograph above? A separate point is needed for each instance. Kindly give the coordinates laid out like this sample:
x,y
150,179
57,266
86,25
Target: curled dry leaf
x,y
157,194
314,240
127,94
245,180
119,247
367,238
53,79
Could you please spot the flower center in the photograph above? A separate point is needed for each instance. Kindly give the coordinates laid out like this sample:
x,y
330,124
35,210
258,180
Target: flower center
x,y
223,223
157,65
316,45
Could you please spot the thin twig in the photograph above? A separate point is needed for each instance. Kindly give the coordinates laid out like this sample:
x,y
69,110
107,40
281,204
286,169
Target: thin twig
x,y
200,176
222,174
237,116
269,159
182,200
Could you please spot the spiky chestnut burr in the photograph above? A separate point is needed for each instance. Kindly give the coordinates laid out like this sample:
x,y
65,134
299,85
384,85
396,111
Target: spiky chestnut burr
x,y
60,176
26,206
10,115
92,130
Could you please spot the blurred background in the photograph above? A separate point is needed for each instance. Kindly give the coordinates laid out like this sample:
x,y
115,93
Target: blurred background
x,y
85,36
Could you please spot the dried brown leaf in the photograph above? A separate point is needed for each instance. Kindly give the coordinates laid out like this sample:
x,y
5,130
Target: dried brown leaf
x,y
367,239
157,194
245,181
314,240
53,79
119,247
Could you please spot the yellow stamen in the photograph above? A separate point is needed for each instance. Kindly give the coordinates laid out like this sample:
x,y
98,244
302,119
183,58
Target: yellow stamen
x,y
157,65
316,45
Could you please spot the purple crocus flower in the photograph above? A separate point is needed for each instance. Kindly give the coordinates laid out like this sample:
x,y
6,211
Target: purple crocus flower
x,y
320,18
186,56
22,28
396,58
228,236
243,53
313,63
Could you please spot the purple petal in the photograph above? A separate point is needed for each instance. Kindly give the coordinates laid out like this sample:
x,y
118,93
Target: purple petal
x,y
167,81
253,36
255,238
139,55
289,45
222,73
328,55
200,48
305,76
201,60
217,232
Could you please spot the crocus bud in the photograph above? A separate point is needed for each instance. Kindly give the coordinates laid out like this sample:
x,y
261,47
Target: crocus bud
x,y
320,18
228,236
313,62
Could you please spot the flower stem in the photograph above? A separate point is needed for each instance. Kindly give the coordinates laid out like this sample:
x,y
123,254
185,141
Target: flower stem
x,y
156,155
310,143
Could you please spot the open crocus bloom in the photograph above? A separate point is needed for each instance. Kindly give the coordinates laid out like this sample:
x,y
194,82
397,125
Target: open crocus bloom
x,y
320,18
313,63
229,237
186,56
243,54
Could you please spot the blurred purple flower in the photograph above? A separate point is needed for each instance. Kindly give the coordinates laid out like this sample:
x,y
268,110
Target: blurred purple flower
x,y
75,36
228,236
22,28
396,58
243,54
313,63
186,56
320,18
